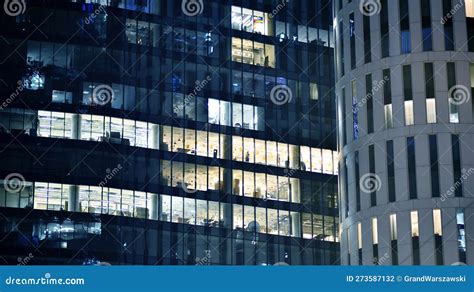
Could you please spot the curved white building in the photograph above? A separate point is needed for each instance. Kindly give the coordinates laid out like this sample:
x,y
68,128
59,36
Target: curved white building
x,y
405,77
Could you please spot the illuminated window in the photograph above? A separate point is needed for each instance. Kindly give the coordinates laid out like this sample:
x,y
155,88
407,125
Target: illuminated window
x,y
375,233
251,21
359,235
437,226
248,52
388,116
414,224
393,226
469,8
430,110
409,120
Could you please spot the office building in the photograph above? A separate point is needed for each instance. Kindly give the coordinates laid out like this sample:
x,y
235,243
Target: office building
x,y
168,132
405,77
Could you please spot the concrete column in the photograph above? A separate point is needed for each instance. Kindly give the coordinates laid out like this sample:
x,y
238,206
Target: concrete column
x,y
153,208
154,136
295,157
73,199
227,215
76,126
295,190
295,224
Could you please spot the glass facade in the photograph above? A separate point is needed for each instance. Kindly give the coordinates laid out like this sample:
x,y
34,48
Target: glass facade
x,y
170,126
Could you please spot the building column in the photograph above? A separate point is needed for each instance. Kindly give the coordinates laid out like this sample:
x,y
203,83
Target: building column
x,y
295,224
76,126
154,207
73,199
155,137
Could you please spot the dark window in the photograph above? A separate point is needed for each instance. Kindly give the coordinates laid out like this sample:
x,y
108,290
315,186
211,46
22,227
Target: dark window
x,y
405,27
456,164
373,194
434,166
390,172
411,167
352,40
387,87
448,26
357,178
451,72
407,85
426,25
370,103
470,33
346,188
367,41
429,80
341,48
343,120
384,35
